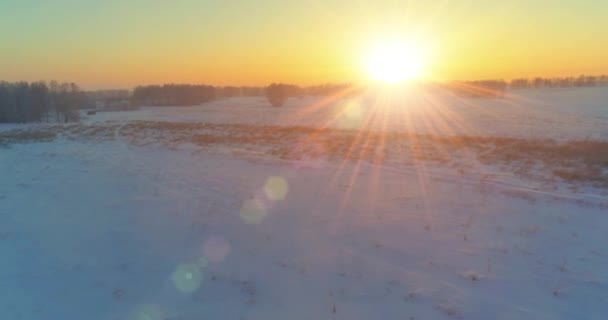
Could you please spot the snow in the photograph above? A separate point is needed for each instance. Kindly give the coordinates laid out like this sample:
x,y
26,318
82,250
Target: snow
x,y
109,228
556,113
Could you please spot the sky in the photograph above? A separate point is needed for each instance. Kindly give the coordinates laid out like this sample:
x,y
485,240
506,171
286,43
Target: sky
x,y
122,43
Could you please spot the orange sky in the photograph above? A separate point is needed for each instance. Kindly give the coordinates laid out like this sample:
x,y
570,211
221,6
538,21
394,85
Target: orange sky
x,y
112,43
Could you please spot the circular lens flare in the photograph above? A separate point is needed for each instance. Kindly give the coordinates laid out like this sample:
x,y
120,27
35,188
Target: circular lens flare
x,y
276,188
253,212
187,277
146,312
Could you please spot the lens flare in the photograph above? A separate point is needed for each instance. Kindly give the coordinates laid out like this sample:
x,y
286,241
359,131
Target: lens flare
x,y
202,262
253,212
216,249
276,188
187,277
146,312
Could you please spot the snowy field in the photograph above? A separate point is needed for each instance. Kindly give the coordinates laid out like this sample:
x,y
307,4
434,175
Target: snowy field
x,y
382,206
564,113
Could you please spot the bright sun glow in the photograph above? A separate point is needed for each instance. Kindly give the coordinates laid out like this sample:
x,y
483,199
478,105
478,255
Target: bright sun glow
x,y
395,61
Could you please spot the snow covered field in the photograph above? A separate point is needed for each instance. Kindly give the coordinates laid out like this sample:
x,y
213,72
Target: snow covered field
x,y
214,212
560,113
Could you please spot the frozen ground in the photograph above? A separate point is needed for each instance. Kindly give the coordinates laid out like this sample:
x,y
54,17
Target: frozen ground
x,y
560,113
168,219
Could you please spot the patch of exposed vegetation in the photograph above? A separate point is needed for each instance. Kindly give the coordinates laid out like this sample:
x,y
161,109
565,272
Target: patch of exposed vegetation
x,y
576,162
27,136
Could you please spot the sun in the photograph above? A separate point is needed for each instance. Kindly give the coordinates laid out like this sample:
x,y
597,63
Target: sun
x,y
395,61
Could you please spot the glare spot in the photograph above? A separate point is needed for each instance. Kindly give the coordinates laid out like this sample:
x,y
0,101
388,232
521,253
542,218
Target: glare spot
x,y
353,110
146,312
253,212
187,277
276,188
216,249
350,114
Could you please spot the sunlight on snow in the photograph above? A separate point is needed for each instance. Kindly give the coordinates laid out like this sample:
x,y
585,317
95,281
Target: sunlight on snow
x,y
349,113
353,110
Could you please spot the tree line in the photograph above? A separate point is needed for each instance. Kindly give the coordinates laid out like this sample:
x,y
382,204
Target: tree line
x,y
497,88
278,93
22,102
560,82
172,95
476,89
189,94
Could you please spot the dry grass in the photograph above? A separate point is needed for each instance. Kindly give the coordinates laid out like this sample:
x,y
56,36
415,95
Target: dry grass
x,y
27,136
574,161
